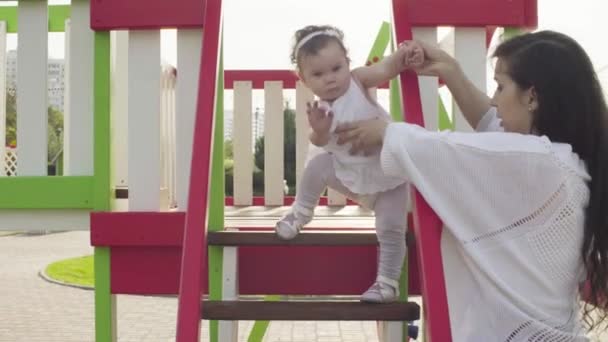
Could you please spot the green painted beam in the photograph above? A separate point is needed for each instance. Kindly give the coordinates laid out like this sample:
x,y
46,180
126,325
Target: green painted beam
x,y
216,195
395,103
57,16
444,118
46,192
105,301
260,327
511,32
101,105
383,38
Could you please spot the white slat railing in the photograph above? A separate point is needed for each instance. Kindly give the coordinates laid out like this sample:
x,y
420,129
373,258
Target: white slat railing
x,y
78,108
32,88
144,121
273,143
242,144
188,63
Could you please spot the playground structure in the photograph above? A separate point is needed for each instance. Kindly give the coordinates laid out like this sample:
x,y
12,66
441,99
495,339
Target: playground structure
x,y
189,251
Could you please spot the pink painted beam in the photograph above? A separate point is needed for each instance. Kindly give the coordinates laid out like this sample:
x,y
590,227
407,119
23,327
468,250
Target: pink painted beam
x,y
146,259
262,270
470,13
194,272
162,229
146,14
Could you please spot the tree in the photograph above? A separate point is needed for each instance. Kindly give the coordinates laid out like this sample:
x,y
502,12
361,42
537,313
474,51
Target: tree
x,y
228,149
55,133
11,120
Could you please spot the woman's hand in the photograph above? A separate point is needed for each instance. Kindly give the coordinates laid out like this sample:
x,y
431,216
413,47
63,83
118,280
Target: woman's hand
x,y
319,118
365,136
412,55
436,62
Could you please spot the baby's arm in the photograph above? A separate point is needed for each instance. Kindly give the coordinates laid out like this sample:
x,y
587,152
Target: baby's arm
x,y
320,120
408,55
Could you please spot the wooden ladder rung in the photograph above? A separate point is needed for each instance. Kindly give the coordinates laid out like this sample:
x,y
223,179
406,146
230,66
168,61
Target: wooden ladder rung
x,y
305,238
309,311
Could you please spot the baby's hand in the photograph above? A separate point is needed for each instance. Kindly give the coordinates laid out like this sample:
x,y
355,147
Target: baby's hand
x,y
413,54
319,118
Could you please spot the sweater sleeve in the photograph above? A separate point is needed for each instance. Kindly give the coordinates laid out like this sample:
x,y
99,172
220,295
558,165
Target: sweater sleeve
x,y
478,183
490,122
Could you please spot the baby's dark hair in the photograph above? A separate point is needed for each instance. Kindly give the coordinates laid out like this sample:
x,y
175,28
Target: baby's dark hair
x,y
315,44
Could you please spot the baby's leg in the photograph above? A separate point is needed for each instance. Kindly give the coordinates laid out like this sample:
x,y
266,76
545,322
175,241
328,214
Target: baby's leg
x,y
318,174
391,222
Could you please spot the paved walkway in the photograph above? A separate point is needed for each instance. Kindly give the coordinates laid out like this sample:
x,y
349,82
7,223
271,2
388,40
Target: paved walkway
x,y
33,310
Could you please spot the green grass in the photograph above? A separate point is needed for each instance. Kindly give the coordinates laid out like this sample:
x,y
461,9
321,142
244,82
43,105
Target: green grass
x,y
75,271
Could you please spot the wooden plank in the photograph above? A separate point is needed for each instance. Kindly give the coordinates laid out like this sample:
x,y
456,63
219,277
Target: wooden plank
x,y
32,84
242,144
306,238
273,143
144,120
78,112
119,100
303,96
188,59
315,224
350,211
2,98
471,52
309,311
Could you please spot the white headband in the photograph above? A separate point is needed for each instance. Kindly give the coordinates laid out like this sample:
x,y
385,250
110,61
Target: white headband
x,y
306,39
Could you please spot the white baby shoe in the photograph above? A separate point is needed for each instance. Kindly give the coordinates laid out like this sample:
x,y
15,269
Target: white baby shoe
x,y
290,225
384,290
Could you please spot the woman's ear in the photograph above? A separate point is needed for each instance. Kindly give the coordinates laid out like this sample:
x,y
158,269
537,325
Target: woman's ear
x,y
532,99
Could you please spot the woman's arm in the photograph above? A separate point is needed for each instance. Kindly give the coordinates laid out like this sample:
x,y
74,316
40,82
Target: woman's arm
x,y
475,182
478,183
473,102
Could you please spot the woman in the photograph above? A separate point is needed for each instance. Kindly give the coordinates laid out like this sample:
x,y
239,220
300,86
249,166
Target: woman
x,y
525,202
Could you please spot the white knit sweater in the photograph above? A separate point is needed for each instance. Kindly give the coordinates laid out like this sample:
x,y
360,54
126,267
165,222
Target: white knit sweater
x,y
513,210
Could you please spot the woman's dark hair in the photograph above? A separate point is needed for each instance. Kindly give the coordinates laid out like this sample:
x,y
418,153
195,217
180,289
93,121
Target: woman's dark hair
x,y
312,47
571,109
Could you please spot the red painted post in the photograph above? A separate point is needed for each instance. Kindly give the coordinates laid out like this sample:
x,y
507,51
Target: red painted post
x,y
427,226
194,271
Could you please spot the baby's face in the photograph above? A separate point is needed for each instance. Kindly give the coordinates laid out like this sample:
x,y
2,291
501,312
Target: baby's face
x,y
327,73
